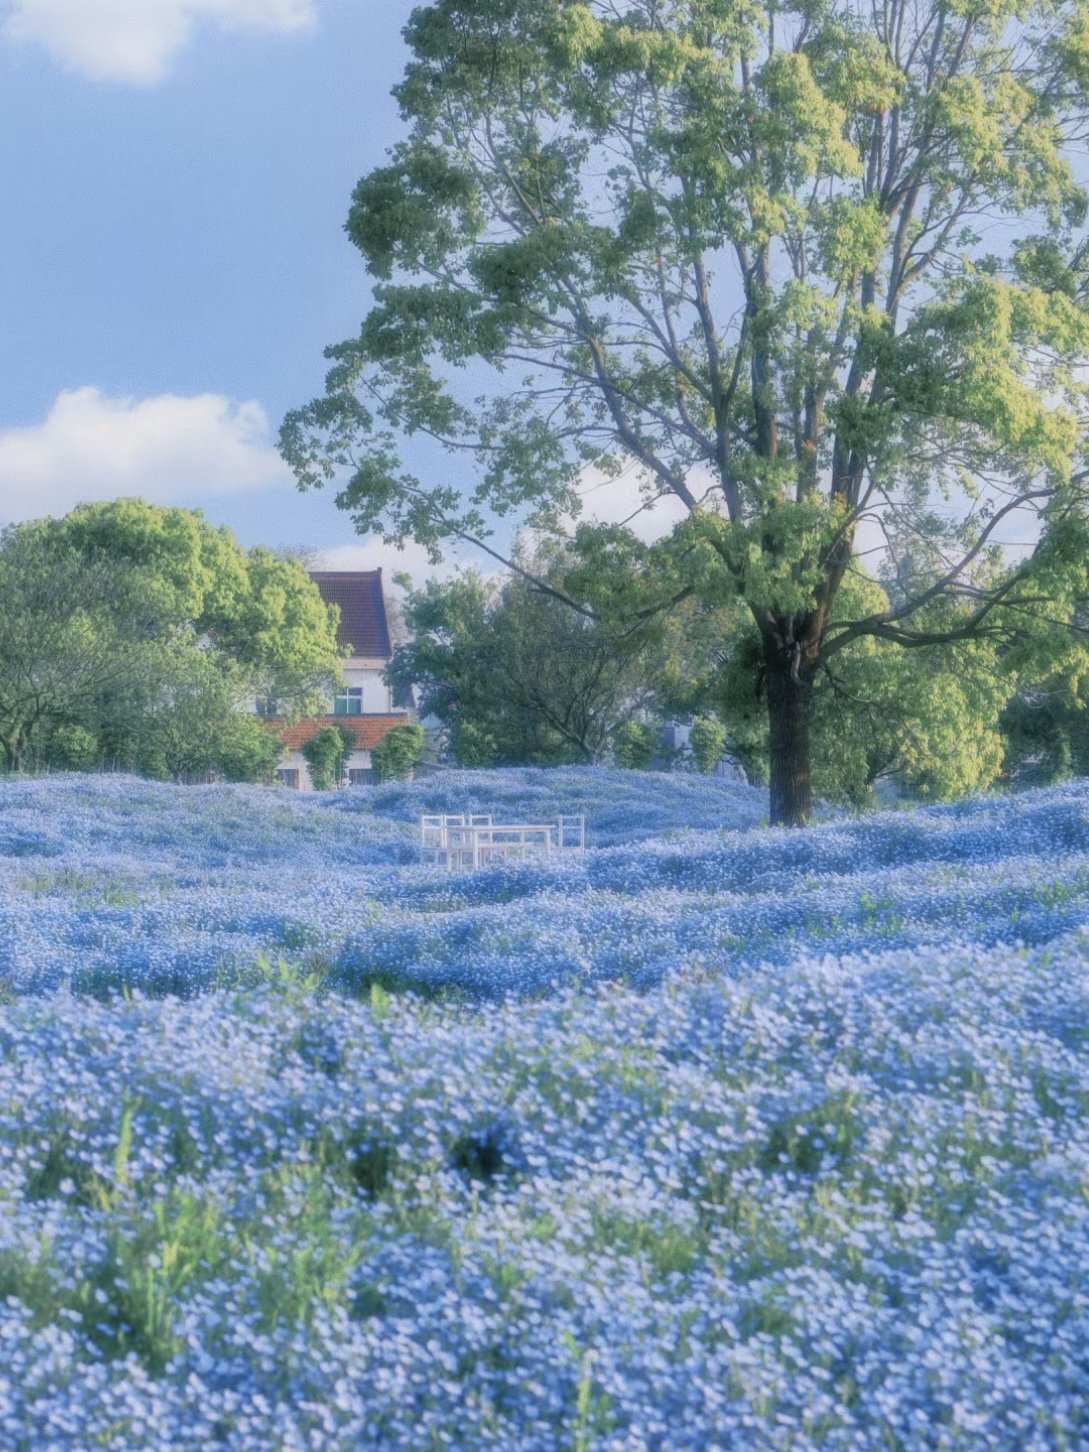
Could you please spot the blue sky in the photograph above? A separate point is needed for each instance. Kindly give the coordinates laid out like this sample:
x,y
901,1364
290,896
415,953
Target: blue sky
x,y
174,178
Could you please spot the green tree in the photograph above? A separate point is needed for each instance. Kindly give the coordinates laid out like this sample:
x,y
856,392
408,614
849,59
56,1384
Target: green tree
x,y
148,633
1045,731
708,741
928,720
634,745
396,755
188,720
71,746
326,755
514,674
73,631
259,609
745,254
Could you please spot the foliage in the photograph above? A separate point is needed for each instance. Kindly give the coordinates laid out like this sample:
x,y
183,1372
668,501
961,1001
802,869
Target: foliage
x,y
514,674
189,720
398,752
174,632
708,742
260,609
1046,736
634,745
71,747
73,631
748,257
246,749
929,721
326,755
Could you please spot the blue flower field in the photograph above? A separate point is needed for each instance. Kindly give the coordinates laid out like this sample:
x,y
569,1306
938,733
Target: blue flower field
x,y
713,1138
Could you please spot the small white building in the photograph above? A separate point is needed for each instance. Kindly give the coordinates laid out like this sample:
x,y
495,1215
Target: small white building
x,y
366,705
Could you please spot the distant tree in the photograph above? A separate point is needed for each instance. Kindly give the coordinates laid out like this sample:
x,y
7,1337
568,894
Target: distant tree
x,y
326,755
71,632
305,556
396,755
812,270
1045,725
1046,737
513,674
634,745
195,725
147,632
258,609
708,742
71,747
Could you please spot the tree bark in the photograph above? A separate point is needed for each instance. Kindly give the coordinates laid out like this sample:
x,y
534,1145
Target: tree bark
x,y
789,687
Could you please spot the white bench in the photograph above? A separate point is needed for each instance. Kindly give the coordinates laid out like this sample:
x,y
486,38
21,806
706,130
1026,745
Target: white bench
x,y
475,840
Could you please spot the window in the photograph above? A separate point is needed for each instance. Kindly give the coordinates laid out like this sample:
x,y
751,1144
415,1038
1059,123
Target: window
x,y
268,706
349,702
360,776
288,776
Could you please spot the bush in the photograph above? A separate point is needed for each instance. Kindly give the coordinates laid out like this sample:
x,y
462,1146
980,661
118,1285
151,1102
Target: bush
x,y
72,747
398,752
249,750
708,741
634,745
326,754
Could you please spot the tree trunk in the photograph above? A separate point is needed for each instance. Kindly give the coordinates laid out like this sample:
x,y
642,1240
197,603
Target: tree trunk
x,y
789,687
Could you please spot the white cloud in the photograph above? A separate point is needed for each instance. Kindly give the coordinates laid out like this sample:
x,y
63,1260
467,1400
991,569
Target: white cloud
x,y
619,500
168,450
136,41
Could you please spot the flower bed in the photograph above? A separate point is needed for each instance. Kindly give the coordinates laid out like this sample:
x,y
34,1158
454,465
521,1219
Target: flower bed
x,y
731,1139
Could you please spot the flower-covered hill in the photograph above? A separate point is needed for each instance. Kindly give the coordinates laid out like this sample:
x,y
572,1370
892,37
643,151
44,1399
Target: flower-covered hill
x,y
619,806
726,1139
108,883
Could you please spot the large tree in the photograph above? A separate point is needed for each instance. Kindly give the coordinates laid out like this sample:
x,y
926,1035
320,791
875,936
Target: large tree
x,y
927,722
138,637
514,674
813,268
73,632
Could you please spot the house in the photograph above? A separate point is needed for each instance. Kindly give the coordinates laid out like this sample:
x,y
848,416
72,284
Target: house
x,y
365,705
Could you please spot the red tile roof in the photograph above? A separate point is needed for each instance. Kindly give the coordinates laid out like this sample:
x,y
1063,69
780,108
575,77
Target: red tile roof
x,y
367,730
364,626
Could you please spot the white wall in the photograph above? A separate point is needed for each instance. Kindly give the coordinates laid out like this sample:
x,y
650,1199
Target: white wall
x,y
295,761
377,696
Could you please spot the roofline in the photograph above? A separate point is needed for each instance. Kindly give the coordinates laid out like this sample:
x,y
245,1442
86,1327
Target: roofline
x,y
354,575
346,574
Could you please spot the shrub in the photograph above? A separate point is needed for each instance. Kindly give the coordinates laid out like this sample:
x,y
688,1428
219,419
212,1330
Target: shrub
x,y
326,754
249,750
634,745
398,752
708,741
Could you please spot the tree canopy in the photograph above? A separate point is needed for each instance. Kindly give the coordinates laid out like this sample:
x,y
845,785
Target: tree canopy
x,y
930,722
514,674
817,270
258,608
395,757
138,637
